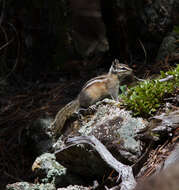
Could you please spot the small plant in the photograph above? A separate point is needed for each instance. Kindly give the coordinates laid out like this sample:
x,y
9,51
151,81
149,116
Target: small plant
x,y
176,29
145,98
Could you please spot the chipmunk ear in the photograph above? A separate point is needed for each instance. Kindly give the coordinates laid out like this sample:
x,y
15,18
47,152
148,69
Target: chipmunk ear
x,y
114,65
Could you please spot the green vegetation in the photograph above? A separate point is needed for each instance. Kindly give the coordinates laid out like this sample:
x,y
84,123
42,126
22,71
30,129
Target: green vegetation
x,y
176,29
145,98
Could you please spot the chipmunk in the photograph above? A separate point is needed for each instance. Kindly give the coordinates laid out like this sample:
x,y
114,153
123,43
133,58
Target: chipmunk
x,y
94,90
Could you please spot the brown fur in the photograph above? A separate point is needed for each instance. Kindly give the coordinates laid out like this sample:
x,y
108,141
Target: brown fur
x,y
63,115
94,90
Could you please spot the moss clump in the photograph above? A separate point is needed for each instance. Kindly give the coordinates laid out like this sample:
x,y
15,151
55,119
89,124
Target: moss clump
x,y
145,98
176,29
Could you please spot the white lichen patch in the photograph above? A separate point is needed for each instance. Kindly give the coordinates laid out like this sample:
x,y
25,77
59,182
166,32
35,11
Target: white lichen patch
x,y
115,126
47,164
74,187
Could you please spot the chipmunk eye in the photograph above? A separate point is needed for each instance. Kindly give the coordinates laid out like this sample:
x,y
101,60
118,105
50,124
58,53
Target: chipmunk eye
x,y
123,68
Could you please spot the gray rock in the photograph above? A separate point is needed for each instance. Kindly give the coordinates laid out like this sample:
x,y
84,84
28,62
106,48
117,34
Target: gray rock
x,y
173,157
116,128
113,126
49,170
30,186
74,187
165,180
161,126
46,167
165,123
158,17
38,137
168,47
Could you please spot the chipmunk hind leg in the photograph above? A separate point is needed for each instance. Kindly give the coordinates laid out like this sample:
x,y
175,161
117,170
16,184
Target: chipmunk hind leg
x,y
85,100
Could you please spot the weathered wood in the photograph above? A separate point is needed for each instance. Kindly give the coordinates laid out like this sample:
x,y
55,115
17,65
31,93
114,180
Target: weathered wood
x,y
125,172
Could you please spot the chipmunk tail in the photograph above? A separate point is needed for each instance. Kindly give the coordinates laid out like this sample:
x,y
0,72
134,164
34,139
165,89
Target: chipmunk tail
x,y
63,115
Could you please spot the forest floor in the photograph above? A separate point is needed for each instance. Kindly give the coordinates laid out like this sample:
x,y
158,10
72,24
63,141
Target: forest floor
x,y
21,104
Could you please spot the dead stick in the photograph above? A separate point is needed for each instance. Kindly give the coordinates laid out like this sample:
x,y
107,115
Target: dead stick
x,y
169,77
125,172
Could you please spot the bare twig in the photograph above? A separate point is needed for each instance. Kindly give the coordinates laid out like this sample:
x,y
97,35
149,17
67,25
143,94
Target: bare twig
x,y
142,80
145,52
4,32
169,77
125,172
113,188
6,44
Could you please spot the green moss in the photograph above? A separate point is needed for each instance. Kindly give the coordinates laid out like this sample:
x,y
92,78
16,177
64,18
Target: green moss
x,y
145,98
176,29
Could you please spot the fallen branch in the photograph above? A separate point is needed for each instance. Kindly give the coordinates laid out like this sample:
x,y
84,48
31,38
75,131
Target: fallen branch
x,y
141,80
6,44
125,172
145,52
169,77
